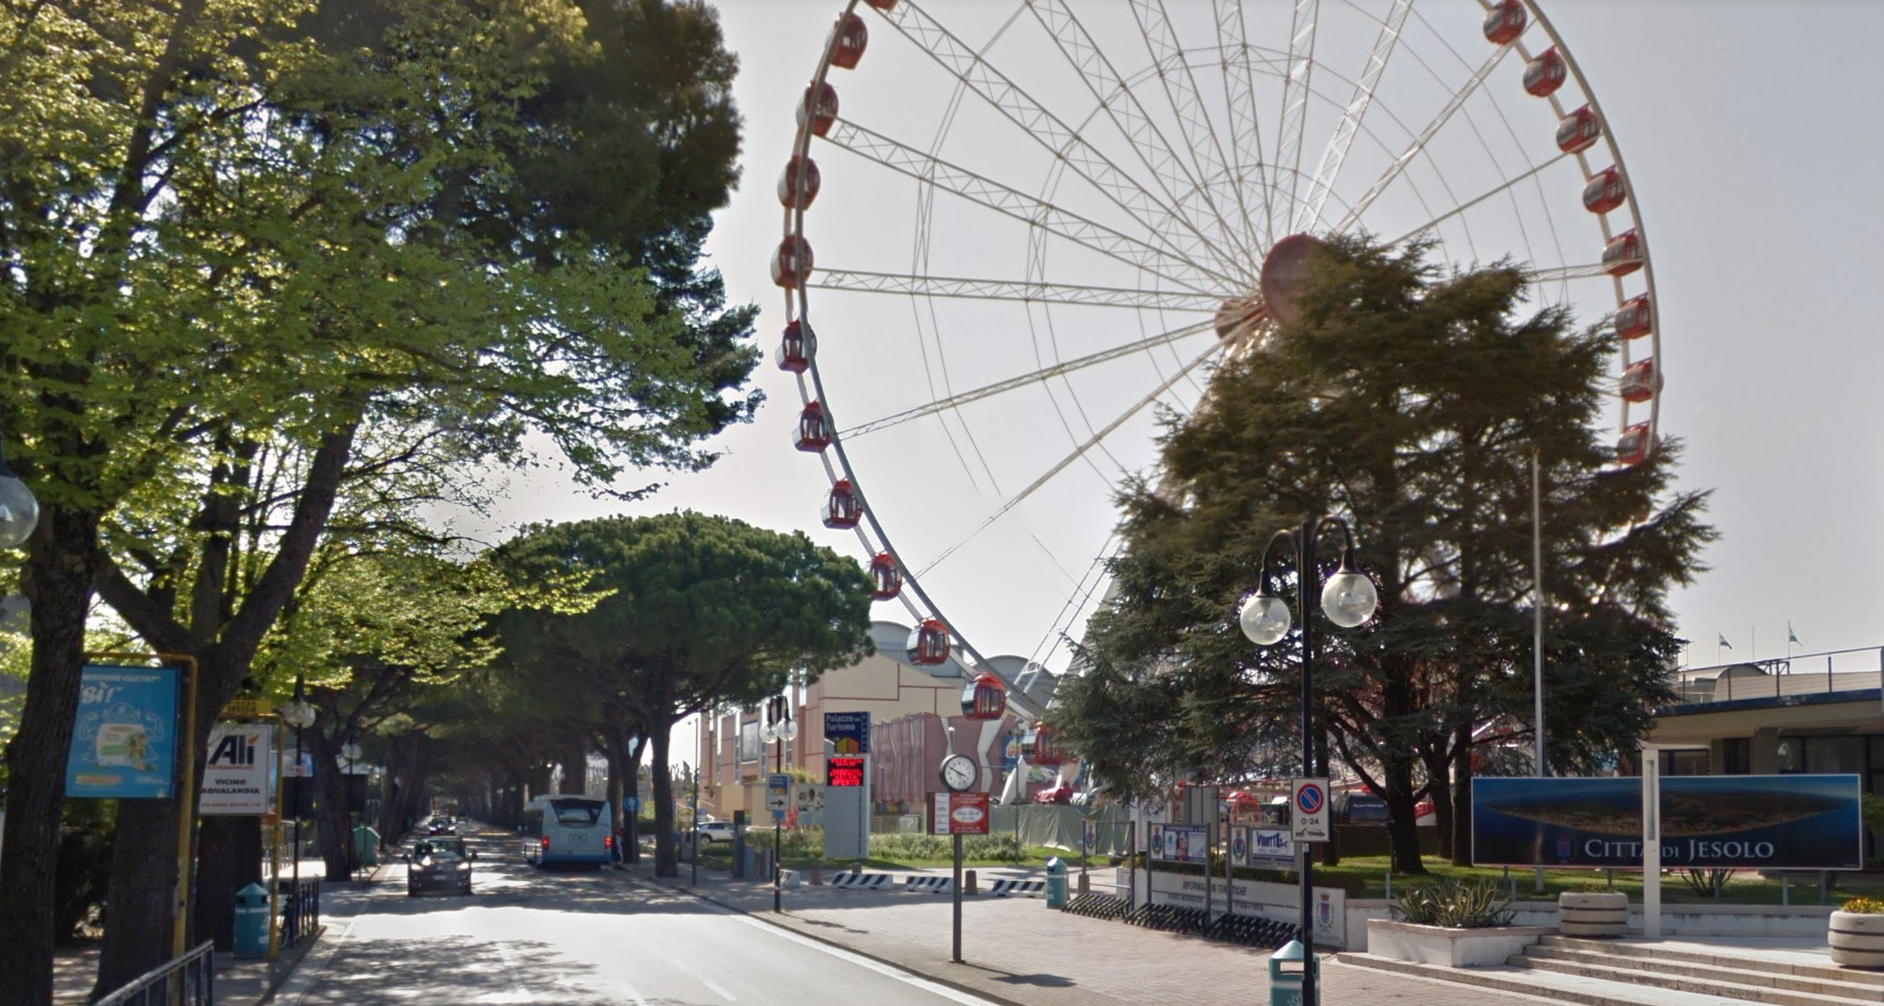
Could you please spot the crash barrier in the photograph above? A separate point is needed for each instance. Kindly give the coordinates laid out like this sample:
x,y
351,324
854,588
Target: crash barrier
x,y
300,911
929,884
189,980
1026,888
1099,906
861,881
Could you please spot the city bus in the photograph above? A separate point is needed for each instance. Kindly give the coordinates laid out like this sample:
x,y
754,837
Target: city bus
x,y
562,830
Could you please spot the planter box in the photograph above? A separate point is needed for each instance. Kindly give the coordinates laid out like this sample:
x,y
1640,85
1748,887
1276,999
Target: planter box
x,y
1592,915
1857,940
1459,948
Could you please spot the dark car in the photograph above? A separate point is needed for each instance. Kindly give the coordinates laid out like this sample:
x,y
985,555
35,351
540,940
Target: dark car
x,y
441,826
436,863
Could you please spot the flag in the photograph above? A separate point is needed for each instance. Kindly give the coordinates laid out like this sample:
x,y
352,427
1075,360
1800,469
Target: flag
x,y
1791,636
1723,641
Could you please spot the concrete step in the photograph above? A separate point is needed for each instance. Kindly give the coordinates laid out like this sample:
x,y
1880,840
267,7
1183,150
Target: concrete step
x,y
1758,986
1723,958
1546,985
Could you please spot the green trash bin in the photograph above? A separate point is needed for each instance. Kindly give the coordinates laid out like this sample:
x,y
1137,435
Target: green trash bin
x,y
251,921
1286,974
365,845
1056,883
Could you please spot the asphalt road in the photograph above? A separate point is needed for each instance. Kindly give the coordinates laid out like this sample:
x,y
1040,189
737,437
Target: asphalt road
x,y
574,939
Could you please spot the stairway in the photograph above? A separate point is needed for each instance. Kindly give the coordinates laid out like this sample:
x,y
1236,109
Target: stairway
x,y
1629,973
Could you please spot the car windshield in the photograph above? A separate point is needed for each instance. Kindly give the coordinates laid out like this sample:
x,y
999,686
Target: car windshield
x,y
577,813
440,850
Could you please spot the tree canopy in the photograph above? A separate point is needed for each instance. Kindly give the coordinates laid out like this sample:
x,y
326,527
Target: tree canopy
x,y
1408,400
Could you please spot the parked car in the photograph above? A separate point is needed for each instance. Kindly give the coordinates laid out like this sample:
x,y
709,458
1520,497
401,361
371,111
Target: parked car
x,y
714,831
439,863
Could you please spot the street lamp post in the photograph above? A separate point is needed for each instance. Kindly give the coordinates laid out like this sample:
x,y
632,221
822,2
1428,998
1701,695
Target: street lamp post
x,y
1348,599
19,510
356,861
781,729
299,715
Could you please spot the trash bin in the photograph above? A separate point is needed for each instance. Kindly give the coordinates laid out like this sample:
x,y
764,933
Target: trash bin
x,y
1286,974
251,921
1056,883
365,845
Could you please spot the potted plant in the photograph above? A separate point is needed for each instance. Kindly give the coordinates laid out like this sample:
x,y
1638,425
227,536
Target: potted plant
x,y
1857,934
1455,923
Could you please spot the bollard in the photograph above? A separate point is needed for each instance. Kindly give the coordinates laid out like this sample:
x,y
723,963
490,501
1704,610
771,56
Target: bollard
x,y
251,921
817,874
1085,885
968,882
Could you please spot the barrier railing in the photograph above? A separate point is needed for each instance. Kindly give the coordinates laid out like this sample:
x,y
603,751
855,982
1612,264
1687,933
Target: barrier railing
x,y
300,911
1803,674
189,980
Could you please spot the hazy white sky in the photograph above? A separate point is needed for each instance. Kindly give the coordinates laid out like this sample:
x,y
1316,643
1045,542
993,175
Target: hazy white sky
x,y
1745,132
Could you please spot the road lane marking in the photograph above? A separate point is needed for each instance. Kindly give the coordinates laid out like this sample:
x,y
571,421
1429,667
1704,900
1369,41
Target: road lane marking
x,y
714,986
511,966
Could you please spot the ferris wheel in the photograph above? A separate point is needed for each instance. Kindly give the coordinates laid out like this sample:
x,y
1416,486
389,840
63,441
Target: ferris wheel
x,y
1039,224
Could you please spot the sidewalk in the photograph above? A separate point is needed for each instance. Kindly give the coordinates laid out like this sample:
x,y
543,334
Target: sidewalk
x,y
1018,951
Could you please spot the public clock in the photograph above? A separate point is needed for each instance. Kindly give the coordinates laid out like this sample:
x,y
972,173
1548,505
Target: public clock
x,y
960,773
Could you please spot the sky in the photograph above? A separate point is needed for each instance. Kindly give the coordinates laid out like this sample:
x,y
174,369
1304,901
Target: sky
x,y
1741,125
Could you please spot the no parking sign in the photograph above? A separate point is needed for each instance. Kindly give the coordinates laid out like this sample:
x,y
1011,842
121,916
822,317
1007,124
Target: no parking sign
x,y
1309,810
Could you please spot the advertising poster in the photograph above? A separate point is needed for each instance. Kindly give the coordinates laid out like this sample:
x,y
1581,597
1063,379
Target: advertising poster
x,y
1282,902
1268,848
124,736
959,814
1179,843
1781,822
235,775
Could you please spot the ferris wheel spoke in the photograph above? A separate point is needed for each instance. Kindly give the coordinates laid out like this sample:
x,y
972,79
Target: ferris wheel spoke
x,y
1041,125
1337,151
1412,152
859,281
1568,272
1496,190
984,191
1078,452
1023,380
1216,180
1176,179
1295,92
1239,88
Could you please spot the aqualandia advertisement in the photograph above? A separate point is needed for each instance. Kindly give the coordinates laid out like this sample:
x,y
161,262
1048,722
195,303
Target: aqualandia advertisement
x,y
1791,822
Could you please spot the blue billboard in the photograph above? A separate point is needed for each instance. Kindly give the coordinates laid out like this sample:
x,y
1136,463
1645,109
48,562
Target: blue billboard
x,y
124,737
1783,822
849,733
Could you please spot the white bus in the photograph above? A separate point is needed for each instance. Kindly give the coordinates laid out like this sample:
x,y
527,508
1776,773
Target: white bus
x,y
568,829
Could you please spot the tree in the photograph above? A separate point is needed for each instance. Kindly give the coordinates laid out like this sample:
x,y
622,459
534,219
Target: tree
x,y
1411,402
222,230
695,611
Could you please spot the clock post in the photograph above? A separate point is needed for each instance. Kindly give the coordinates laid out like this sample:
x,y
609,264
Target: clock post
x,y
959,774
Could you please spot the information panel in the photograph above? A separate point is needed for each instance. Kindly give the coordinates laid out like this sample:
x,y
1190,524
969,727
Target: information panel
x,y
848,733
124,736
958,814
1179,843
843,772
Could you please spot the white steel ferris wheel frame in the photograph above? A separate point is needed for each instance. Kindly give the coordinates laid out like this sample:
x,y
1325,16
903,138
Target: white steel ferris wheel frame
x,y
1171,237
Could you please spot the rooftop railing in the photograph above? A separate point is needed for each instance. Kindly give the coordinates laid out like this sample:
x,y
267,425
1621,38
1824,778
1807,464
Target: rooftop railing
x,y
1801,674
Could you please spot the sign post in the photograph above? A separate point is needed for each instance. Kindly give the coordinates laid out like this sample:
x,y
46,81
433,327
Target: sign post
x,y
958,814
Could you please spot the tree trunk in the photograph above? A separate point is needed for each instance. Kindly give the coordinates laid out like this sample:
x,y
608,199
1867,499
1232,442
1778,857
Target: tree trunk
x,y
1462,798
1402,832
228,858
141,913
332,820
1440,790
665,863
57,581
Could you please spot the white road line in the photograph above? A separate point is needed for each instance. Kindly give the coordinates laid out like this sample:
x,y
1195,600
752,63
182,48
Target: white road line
x,y
722,993
515,979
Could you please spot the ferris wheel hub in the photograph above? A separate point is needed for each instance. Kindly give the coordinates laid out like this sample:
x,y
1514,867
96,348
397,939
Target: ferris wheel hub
x,y
1285,270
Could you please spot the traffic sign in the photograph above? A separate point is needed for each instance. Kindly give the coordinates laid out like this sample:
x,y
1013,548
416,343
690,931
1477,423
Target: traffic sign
x,y
778,792
1309,810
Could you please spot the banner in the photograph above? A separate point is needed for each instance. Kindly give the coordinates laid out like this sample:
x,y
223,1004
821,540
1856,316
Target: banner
x,y
1268,848
958,814
1282,902
124,735
1179,843
235,775
1778,822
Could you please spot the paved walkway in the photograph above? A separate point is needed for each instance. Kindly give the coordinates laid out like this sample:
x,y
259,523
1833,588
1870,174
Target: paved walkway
x,y
1016,950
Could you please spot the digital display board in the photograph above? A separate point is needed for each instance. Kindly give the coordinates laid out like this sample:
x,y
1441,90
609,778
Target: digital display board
x,y
843,771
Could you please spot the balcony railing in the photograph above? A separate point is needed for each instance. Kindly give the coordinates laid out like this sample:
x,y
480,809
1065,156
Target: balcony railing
x,y
1803,674
189,980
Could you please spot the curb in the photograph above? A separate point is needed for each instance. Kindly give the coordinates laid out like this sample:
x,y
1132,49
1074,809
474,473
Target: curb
x,y
284,967
766,917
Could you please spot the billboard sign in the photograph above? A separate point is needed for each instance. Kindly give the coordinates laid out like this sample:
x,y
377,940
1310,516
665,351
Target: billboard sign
x,y
1268,848
849,733
235,775
1261,899
843,772
1780,822
958,813
124,736
1179,843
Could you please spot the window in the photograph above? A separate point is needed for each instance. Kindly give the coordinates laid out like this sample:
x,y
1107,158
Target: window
x,y
1686,763
1736,755
576,813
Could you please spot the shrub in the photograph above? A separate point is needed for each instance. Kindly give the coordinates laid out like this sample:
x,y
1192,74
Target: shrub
x,y
1706,882
1455,904
1864,906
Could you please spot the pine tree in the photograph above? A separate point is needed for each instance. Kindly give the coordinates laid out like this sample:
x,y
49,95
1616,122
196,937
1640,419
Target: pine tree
x,y
1408,400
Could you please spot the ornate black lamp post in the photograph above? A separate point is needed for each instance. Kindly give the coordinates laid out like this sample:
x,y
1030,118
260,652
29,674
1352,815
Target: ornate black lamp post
x,y
780,729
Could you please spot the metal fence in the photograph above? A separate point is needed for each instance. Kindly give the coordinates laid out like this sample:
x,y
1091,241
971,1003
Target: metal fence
x,y
189,980
1804,674
300,911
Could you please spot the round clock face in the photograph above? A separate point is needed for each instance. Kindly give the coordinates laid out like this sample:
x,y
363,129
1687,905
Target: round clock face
x,y
959,772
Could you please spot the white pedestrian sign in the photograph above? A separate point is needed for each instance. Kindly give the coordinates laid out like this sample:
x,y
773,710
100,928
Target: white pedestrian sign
x,y
1308,808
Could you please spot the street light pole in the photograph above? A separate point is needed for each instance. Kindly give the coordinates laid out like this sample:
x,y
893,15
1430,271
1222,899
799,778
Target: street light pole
x,y
1348,599
778,731
299,715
